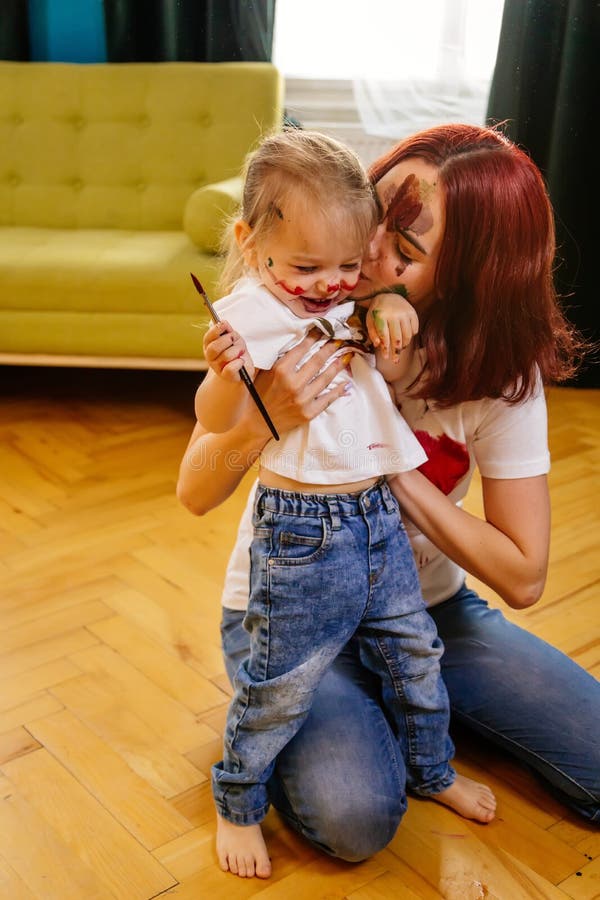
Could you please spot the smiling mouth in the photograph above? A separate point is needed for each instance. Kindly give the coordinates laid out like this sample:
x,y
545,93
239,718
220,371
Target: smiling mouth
x,y
318,304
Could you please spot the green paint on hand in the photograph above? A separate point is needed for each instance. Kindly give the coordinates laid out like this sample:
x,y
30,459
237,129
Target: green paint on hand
x,y
378,321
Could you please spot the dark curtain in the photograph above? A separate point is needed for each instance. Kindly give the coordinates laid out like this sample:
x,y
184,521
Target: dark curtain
x,y
14,30
546,85
189,30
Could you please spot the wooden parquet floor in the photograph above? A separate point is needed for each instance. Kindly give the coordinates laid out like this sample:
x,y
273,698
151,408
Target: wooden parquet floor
x,y
113,695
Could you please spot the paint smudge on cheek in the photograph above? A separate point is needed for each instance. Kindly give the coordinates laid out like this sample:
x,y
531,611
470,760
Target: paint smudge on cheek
x,y
270,263
295,291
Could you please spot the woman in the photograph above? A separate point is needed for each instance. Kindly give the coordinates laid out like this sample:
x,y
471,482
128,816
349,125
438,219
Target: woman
x,y
467,231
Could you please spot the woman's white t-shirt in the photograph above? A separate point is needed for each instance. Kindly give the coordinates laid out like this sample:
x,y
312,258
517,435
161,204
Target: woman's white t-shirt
x,y
502,440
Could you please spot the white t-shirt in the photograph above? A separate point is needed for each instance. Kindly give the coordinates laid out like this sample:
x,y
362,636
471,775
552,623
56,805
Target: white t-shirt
x,y
502,440
361,434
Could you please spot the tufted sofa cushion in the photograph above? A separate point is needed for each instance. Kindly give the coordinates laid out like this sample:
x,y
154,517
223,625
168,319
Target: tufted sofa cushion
x,y
99,167
123,145
208,209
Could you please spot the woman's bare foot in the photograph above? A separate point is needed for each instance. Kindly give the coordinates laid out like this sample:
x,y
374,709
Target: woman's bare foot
x,y
242,850
469,798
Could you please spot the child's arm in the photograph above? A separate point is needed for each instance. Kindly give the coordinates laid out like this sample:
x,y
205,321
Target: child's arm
x,y
392,324
222,397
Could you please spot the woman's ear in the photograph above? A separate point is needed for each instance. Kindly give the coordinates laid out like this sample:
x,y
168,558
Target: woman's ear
x,y
244,238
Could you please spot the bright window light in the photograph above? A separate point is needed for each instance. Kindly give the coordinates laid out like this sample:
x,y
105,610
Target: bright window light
x,y
384,39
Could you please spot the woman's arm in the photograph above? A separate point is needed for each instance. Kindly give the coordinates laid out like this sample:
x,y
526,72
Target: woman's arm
x,y
508,550
214,464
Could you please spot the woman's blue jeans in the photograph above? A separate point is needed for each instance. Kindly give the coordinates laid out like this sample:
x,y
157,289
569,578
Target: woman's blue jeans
x,y
326,569
341,780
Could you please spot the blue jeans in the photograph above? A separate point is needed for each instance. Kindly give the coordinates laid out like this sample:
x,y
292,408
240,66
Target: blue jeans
x,y
341,781
327,569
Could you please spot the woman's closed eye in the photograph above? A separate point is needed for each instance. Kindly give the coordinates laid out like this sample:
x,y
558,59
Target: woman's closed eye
x,y
305,270
407,260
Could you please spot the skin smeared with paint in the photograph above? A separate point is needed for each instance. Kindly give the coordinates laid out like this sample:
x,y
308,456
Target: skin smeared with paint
x,y
408,213
394,264
305,262
298,290
399,289
406,207
378,321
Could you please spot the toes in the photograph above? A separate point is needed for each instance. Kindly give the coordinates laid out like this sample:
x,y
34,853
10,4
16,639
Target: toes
x,y
488,799
263,868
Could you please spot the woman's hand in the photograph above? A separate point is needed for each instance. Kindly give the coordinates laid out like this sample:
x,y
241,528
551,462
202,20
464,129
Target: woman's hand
x,y
295,395
214,463
225,352
392,323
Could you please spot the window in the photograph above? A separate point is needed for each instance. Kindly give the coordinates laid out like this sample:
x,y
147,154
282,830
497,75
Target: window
x,y
402,67
384,39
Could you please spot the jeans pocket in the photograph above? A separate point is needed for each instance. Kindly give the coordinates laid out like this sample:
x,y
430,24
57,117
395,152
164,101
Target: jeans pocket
x,y
301,542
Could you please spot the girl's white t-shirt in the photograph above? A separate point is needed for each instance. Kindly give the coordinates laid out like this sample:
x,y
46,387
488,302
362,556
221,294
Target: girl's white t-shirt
x,y
502,440
361,434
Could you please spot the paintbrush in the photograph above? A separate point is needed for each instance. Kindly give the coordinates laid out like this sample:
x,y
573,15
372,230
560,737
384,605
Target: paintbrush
x,y
243,371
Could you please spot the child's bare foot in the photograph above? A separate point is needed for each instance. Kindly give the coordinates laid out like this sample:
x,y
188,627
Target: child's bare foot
x,y
469,798
242,850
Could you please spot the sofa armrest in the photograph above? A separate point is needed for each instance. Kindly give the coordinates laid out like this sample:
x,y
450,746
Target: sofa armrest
x,y
207,211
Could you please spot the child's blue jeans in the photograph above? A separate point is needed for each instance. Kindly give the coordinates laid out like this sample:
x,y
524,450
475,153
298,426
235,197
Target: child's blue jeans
x,y
325,568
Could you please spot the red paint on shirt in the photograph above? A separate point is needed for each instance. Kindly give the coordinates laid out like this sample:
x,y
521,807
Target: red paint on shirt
x,y
448,460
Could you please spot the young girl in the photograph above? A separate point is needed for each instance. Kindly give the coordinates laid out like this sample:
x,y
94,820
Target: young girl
x,y
330,560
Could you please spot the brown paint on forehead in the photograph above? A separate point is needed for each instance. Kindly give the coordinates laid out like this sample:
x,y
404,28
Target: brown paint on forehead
x,y
407,206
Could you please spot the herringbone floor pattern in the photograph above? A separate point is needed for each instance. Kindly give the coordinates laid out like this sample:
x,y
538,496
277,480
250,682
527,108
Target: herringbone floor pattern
x,y
113,694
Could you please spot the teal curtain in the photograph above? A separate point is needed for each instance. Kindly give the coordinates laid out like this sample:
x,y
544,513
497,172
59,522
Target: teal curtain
x,y
188,30
52,30
67,31
545,88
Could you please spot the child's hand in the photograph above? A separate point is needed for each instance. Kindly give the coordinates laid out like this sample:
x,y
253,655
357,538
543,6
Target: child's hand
x,y
226,352
392,323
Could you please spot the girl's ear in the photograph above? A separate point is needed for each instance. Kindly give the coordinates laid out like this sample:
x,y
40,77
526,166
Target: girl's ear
x,y
244,238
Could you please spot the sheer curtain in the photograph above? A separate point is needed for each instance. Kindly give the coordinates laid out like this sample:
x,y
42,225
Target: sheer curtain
x,y
412,64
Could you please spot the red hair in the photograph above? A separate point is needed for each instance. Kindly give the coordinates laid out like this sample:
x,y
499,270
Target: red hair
x,y
496,322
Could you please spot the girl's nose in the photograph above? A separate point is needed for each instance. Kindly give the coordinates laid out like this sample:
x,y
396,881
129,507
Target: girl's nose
x,y
323,288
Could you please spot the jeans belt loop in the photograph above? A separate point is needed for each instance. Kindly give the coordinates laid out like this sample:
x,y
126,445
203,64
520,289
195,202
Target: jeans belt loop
x,y
389,500
334,513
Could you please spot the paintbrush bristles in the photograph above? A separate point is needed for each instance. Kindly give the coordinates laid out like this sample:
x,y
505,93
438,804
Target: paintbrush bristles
x,y
197,284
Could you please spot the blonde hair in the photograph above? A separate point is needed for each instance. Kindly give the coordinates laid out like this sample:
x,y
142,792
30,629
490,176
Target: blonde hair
x,y
300,168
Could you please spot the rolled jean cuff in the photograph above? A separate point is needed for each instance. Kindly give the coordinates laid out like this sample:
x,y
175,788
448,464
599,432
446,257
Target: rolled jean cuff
x,y
435,787
251,817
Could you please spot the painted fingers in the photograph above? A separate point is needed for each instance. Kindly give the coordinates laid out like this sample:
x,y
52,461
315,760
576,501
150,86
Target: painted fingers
x,y
392,323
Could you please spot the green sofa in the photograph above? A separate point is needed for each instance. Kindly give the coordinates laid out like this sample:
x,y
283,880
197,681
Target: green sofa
x,y
115,181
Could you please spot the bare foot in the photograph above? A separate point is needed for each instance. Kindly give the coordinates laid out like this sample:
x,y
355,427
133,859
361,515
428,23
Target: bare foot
x,y
242,850
469,798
